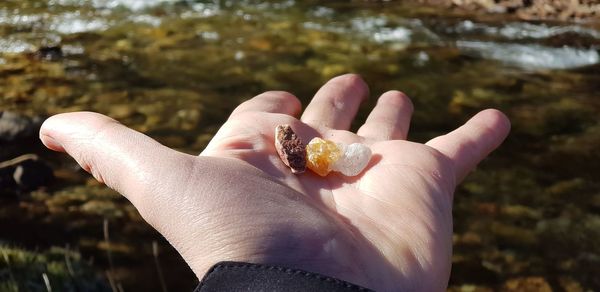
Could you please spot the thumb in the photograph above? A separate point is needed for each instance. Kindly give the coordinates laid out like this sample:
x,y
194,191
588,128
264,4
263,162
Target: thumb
x,y
125,160
473,141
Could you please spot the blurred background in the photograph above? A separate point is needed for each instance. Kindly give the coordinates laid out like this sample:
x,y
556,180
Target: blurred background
x,y
527,220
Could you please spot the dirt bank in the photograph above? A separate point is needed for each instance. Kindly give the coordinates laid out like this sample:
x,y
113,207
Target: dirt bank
x,y
563,10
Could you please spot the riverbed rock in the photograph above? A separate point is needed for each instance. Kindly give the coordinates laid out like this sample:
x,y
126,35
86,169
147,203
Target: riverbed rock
x,y
18,134
49,53
6,178
25,173
33,174
537,284
14,126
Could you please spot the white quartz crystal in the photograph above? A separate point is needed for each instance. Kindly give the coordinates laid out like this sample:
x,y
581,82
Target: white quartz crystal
x,y
355,158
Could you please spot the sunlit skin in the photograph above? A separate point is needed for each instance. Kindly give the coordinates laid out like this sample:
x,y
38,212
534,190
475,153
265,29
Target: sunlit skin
x,y
389,228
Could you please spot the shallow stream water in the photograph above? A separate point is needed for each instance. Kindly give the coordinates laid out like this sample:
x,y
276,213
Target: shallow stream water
x,y
530,215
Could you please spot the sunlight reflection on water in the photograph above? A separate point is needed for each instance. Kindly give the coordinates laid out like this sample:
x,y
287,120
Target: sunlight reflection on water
x,y
532,55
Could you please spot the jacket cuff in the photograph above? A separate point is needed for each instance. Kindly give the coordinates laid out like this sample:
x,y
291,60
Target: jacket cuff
x,y
238,276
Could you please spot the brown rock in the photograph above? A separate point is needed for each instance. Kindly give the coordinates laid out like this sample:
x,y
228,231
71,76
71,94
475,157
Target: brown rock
x,y
290,148
537,284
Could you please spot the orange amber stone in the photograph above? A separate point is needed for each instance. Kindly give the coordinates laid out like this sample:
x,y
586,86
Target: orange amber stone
x,y
321,155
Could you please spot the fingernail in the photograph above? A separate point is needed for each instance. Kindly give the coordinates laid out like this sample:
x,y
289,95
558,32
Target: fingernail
x,y
51,143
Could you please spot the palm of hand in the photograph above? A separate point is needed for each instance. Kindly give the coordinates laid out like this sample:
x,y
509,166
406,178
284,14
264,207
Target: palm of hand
x,y
389,228
396,214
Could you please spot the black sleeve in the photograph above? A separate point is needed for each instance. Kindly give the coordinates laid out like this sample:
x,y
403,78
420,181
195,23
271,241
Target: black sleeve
x,y
234,276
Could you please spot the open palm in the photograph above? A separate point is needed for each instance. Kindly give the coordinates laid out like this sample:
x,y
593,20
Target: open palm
x,y
389,228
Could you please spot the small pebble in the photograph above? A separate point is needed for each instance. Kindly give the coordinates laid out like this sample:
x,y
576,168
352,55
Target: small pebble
x,y
324,156
290,148
355,158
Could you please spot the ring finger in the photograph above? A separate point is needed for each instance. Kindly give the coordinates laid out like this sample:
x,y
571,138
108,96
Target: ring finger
x,y
390,119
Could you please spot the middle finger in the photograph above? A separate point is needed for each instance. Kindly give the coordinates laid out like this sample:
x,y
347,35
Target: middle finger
x,y
336,103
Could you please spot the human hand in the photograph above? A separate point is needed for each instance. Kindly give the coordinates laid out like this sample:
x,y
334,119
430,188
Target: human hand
x,y
389,228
